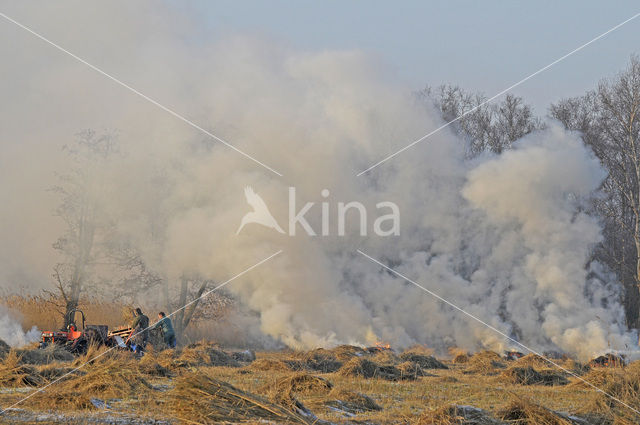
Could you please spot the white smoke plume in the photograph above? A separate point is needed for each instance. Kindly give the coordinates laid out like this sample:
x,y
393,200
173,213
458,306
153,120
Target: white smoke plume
x,y
11,331
502,237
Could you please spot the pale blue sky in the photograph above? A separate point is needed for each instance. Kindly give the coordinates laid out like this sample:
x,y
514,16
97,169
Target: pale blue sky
x,y
481,45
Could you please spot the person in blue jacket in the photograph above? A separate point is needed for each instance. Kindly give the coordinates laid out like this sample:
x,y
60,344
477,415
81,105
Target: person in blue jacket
x,y
169,335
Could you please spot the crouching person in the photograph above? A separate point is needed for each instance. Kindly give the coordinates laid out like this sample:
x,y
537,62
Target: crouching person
x,y
168,334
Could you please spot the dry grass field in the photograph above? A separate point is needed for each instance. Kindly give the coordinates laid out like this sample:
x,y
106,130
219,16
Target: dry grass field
x,y
202,384
206,383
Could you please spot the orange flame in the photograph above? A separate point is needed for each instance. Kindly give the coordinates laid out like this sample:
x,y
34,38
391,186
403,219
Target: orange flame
x,y
381,344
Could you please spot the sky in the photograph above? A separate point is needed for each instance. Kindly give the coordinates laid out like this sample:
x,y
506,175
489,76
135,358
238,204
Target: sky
x,y
481,45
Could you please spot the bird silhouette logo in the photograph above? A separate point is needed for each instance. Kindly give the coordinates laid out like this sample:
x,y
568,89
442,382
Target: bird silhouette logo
x,y
260,213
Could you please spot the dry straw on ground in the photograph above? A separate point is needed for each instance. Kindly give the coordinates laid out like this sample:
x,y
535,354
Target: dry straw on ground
x,y
114,375
13,373
205,353
320,360
527,375
621,383
522,411
457,415
198,398
351,401
51,354
424,361
365,368
273,365
485,363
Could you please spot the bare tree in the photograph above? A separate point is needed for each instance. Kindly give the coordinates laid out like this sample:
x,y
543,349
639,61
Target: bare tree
x,y
489,127
609,122
81,211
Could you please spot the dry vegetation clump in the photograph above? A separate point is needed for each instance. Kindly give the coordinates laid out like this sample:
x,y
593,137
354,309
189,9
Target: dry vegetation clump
x,y
149,365
527,375
621,383
198,398
53,353
461,358
13,373
457,415
246,356
525,412
321,360
458,355
284,390
114,375
53,371
359,367
386,357
534,361
365,368
425,361
351,401
411,370
205,353
167,358
575,367
485,363
344,353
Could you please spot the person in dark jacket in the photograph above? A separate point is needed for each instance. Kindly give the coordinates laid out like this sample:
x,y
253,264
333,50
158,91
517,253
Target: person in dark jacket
x,y
169,335
140,331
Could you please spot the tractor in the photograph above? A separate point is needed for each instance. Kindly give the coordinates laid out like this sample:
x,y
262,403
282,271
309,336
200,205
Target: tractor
x,y
77,339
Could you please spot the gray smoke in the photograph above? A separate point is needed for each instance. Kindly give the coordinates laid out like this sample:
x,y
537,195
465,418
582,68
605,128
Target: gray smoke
x,y
12,333
504,238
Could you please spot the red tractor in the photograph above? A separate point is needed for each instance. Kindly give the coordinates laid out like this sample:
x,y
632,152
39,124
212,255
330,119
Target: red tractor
x,y
77,339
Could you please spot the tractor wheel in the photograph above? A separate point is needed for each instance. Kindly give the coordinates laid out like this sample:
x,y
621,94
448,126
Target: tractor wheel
x,y
93,337
79,347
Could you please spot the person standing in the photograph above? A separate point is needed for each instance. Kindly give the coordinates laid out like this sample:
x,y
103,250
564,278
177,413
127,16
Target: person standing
x,y
168,334
140,331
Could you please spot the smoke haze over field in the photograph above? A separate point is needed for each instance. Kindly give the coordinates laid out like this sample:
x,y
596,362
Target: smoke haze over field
x,y
502,237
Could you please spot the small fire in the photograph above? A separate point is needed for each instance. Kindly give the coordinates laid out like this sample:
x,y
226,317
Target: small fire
x,y
382,345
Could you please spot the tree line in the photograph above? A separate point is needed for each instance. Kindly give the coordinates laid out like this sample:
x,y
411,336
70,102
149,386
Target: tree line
x,y
607,118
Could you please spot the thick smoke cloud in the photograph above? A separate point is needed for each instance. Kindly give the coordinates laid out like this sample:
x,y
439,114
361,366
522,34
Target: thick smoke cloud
x,y
503,237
